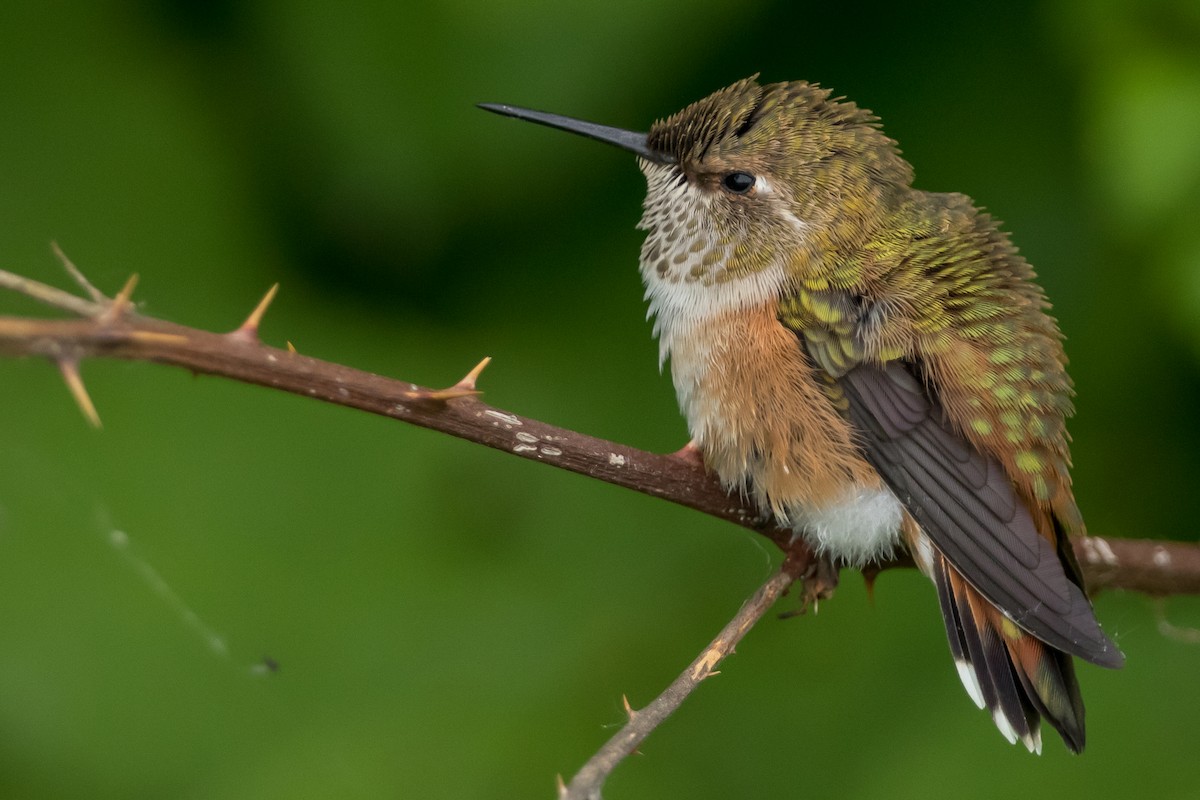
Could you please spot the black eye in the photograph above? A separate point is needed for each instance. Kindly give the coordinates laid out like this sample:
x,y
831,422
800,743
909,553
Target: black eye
x,y
738,182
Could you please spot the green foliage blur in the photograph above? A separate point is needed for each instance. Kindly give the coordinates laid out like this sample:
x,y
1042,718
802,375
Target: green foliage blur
x,y
451,622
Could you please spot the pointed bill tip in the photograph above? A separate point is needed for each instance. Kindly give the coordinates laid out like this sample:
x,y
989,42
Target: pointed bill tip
x,y
632,141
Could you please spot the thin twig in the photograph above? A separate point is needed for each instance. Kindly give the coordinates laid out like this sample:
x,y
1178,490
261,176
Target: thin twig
x,y
81,279
49,295
588,782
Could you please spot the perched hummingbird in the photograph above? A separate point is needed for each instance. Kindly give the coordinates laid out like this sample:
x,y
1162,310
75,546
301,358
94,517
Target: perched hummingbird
x,y
874,366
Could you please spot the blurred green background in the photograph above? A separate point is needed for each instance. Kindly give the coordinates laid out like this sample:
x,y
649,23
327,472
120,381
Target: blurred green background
x,y
450,622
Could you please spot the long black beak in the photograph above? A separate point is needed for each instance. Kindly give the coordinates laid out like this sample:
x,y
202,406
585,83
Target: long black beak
x,y
626,140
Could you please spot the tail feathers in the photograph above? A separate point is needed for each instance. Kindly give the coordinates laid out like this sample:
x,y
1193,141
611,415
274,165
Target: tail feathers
x,y
1018,678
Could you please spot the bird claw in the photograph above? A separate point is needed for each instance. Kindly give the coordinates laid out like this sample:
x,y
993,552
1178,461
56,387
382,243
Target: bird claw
x,y
820,581
817,574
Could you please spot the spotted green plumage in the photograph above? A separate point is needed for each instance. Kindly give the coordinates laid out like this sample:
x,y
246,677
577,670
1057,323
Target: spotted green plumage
x,y
937,282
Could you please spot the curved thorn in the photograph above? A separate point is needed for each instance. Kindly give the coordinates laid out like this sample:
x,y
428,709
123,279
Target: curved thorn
x,y
629,710
468,381
464,388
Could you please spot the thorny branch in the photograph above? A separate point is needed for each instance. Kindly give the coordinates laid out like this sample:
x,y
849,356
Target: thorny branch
x,y
111,328
588,781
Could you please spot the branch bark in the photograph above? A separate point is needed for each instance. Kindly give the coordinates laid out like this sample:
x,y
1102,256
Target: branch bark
x,y
112,329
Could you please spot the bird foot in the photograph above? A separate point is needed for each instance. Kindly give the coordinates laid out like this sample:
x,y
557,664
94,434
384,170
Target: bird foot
x,y
820,581
818,576
690,453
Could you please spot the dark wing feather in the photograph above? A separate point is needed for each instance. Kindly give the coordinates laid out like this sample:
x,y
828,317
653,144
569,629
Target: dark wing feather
x,y
989,657
966,504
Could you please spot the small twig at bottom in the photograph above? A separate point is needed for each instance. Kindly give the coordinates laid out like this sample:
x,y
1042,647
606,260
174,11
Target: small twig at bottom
x,y
588,782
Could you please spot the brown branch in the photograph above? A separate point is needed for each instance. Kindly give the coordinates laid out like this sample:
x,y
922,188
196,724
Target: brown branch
x,y
587,783
112,329
1140,565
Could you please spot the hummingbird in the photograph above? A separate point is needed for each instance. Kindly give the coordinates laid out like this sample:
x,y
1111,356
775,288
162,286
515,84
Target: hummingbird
x,y
875,367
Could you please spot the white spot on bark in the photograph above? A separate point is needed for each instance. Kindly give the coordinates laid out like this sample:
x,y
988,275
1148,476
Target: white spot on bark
x,y
1099,551
525,448
527,438
508,419
616,460
1161,557
551,451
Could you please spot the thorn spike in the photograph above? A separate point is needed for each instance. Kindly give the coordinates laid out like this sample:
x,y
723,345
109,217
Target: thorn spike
x,y
249,328
630,712
464,388
95,294
69,368
120,304
468,381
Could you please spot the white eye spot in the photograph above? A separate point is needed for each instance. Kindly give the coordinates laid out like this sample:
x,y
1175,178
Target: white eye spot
x,y
763,186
